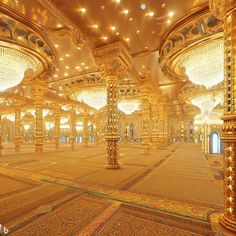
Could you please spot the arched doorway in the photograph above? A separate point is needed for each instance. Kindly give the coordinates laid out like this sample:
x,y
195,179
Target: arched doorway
x,y
215,144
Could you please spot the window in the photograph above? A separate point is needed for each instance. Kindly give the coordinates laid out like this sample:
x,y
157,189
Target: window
x,y
215,143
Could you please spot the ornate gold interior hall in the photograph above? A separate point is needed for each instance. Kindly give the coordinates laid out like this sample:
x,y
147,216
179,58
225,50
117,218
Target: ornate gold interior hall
x,y
117,117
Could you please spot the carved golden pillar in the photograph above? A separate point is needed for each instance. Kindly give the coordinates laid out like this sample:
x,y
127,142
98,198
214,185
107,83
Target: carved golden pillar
x,y
155,124
112,132
165,128
38,104
1,147
18,135
85,129
72,129
57,129
145,122
96,129
112,59
205,138
226,11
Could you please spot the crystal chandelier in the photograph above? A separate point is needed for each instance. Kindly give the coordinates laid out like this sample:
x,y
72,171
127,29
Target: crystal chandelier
x,y
128,106
204,65
13,65
212,119
94,97
207,102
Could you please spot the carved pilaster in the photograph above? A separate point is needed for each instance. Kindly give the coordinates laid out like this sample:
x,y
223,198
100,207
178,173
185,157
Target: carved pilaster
x,y
38,104
57,129
18,135
112,59
226,10
145,121
72,129
85,129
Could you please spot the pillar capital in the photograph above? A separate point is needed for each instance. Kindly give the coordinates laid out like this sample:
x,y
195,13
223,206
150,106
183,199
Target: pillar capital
x,y
113,58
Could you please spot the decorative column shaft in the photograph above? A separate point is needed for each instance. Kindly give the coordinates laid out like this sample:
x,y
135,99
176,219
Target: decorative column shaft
x,y
226,10
85,129
165,128
155,124
57,129
112,59
145,122
38,104
1,147
112,132
72,129
18,135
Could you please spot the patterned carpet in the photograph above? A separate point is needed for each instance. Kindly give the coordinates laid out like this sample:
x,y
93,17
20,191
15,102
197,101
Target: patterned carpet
x,y
71,193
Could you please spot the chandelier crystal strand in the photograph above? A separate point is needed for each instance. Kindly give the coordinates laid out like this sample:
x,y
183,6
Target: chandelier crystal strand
x,y
94,97
13,65
129,106
205,65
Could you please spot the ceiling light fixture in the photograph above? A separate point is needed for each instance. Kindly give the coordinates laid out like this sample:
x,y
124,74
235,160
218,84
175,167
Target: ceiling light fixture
x,y
126,11
95,26
151,14
204,65
82,10
143,6
128,106
13,65
95,97
104,38
171,14
113,28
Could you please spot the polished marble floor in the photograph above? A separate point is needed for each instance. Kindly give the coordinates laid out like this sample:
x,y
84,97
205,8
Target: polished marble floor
x,y
170,192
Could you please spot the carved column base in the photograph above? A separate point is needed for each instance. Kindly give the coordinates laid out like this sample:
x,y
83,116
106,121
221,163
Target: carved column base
x,y
39,144
1,147
145,146
72,142
17,147
17,144
155,142
228,223
85,144
38,148
112,153
56,138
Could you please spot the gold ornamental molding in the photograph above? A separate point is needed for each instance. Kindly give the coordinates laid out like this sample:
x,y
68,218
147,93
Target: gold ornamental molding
x,y
27,39
220,8
83,81
113,58
195,29
78,37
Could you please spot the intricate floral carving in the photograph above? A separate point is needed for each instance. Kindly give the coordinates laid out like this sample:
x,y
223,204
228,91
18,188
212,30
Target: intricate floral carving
x,y
112,58
197,26
220,7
